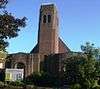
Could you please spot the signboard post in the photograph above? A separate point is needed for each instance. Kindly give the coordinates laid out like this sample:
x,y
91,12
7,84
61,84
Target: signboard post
x,y
14,74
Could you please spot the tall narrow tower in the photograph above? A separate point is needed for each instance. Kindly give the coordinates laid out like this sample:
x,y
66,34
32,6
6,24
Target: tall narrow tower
x,y
48,30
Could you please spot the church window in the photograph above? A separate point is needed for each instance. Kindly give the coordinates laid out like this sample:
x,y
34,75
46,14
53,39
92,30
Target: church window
x,y
49,18
44,19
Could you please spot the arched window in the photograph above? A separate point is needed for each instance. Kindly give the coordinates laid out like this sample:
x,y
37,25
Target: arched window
x,y
44,19
49,18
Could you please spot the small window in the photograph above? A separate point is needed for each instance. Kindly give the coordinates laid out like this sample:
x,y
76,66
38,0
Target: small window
x,y
44,19
49,18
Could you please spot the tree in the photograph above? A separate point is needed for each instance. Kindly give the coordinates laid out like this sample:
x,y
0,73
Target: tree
x,y
9,25
82,70
9,28
90,50
3,3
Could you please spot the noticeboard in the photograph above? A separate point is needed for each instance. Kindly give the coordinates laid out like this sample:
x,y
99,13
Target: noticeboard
x,y
14,74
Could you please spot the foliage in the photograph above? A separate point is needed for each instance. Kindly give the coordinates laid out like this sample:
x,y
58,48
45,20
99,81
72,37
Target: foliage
x,y
16,83
9,25
1,83
43,79
72,69
90,50
75,86
3,55
3,3
9,28
83,70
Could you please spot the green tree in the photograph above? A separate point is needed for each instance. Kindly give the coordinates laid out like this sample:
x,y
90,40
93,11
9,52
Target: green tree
x,y
90,50
9,25
3,3
83,69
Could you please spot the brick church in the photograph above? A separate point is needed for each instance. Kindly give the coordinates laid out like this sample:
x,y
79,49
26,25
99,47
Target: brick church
x,y
49,51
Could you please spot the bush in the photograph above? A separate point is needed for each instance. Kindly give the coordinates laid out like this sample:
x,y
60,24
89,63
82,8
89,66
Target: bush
x,y
1,84
75,86
97,87
16,83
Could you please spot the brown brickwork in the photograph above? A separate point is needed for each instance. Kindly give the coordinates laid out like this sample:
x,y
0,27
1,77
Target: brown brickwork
x,y
48,31
62,47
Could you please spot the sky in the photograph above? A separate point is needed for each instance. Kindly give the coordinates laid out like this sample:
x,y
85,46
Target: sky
x,y
79,22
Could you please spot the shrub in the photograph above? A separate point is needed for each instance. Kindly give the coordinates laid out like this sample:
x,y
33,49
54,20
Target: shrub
x,y
16,83
75,86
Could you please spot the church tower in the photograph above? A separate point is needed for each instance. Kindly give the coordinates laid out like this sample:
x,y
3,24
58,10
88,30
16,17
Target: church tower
x,y
48,30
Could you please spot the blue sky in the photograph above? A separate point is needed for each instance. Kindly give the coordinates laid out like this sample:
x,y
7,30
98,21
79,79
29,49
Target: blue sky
x,y
79,22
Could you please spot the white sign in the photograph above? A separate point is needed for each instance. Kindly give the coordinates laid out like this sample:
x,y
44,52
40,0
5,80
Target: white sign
x,y
14,74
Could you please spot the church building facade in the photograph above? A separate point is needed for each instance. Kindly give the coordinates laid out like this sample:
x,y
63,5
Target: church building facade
x,y
49,44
